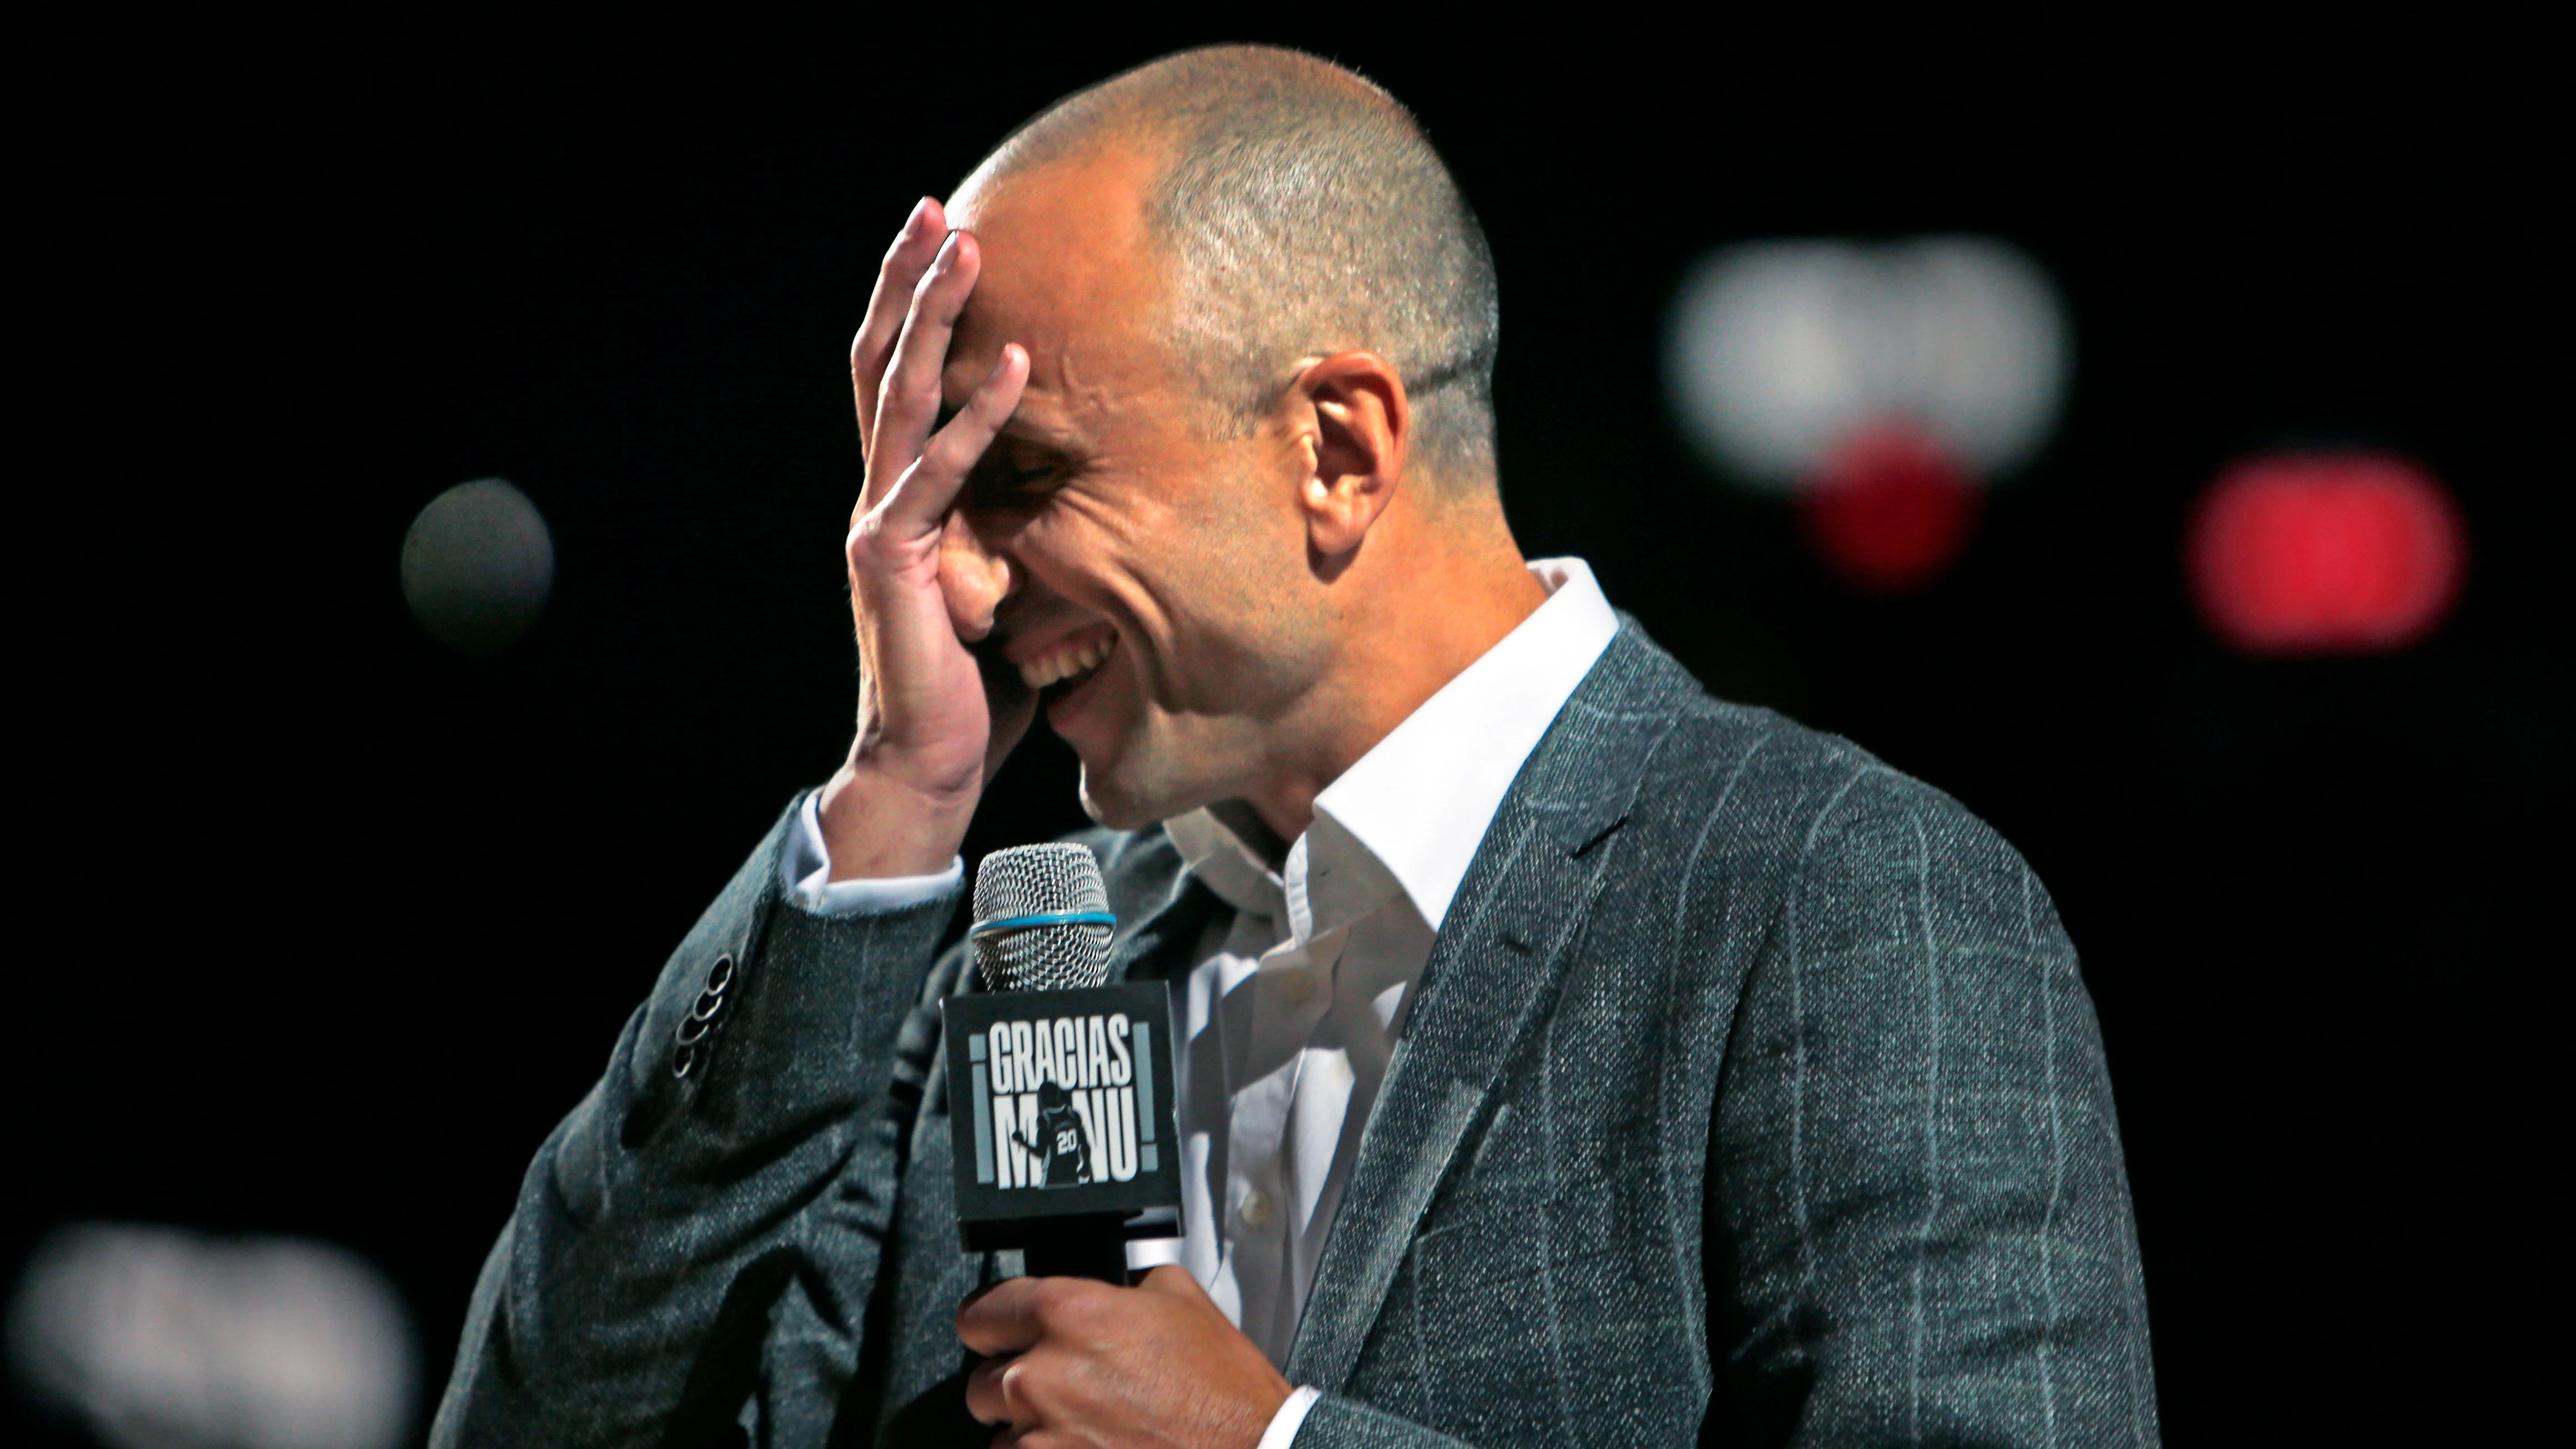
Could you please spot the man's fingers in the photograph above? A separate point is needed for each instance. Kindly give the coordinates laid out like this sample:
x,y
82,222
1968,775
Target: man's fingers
x,y
956,446
920,500
1069,1363
986,1401
1005,1318
914,248
908,400
905,261
989,1393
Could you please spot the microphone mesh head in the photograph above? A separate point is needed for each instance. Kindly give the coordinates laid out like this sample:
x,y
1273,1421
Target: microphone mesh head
x,y
1041,880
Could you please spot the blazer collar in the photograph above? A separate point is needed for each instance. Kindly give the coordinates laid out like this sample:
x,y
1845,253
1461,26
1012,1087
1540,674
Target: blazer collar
x,y
1493,971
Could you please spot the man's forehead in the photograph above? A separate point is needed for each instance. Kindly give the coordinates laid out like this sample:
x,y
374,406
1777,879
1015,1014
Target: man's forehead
x,y
1101,185
1069,270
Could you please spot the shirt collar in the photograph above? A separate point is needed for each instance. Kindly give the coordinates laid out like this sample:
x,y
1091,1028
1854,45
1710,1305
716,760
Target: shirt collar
x,y
1410,813
1218,856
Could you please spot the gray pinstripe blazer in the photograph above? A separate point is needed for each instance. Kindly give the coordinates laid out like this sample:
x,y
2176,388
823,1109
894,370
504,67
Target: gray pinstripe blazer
x,y
1751,1096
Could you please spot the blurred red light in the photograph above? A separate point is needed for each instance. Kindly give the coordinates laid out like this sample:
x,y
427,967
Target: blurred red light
x,y
1890,509
2325,553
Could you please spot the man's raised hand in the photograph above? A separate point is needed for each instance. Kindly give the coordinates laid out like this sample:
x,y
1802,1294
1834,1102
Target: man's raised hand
x,y
930,731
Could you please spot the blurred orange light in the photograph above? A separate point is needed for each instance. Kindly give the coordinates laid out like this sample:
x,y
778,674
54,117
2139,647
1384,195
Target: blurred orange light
x,y
2325,553
1889,509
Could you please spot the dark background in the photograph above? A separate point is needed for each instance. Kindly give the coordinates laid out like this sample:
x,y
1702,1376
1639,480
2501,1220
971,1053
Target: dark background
x,y
323,926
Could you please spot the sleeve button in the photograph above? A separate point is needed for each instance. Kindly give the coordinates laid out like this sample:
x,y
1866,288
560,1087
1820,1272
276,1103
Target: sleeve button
x,y
703,1018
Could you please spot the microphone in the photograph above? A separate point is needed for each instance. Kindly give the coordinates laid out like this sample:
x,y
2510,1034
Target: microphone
x,y
1066,1081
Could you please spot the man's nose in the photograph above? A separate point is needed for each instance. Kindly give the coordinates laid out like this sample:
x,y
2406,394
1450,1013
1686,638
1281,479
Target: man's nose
x,y
976,577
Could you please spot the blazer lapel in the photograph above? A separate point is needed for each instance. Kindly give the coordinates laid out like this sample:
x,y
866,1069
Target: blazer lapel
x,y
1492,974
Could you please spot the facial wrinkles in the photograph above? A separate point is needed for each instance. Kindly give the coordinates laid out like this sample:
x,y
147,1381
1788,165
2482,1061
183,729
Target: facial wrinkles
x,y
1134,494
1086,397
1171,542
1138,537
1082,526
1156,527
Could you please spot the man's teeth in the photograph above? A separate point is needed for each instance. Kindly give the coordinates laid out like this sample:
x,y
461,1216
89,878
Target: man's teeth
x,y
1067,661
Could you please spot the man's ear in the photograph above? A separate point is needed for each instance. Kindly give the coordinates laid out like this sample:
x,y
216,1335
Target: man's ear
x,y
1355,449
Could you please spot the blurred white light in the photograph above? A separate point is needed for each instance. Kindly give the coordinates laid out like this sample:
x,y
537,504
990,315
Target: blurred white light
x,y
160,1338
1778,352
477,565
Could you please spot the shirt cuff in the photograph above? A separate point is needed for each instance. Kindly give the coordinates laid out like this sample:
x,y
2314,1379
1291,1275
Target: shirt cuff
x,y
1290,1418
805,872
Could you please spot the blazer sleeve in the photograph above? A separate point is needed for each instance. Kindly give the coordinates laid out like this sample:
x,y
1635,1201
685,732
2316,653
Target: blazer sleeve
x,y
1919,1227
661,1268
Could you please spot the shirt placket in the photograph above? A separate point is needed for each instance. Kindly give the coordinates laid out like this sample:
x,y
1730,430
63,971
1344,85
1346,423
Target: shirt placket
x,y
1292,987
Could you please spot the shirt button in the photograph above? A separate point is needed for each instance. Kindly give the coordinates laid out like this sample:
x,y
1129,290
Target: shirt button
x,y
1256,1208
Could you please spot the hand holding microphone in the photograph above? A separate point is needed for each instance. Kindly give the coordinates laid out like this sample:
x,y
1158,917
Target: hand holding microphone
x,y
1154,1364
1060,1091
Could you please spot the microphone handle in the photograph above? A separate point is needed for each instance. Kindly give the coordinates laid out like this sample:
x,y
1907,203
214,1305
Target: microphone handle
x,y
1086,1245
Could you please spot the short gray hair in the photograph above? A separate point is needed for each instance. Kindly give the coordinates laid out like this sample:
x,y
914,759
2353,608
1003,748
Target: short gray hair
x,y
1305,214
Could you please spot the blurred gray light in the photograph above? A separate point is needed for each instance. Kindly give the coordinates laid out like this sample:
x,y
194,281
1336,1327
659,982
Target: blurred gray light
x,y
159,1338
1777,352
477,565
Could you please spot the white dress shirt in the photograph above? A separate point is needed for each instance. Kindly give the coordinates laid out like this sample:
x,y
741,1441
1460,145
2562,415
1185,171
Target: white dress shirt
x,y
1293,1007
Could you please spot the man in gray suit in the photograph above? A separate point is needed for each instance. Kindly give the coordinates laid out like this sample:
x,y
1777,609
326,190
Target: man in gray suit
x,y
1566,1056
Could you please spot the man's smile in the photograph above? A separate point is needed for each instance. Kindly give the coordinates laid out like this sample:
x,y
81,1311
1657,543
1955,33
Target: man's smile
x,y
1069,658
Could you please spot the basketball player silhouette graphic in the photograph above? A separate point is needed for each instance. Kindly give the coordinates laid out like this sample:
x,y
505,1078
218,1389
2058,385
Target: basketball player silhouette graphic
x,y
1063,1147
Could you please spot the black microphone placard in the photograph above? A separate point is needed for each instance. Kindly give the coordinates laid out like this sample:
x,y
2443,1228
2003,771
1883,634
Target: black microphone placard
x,y
1061,1105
